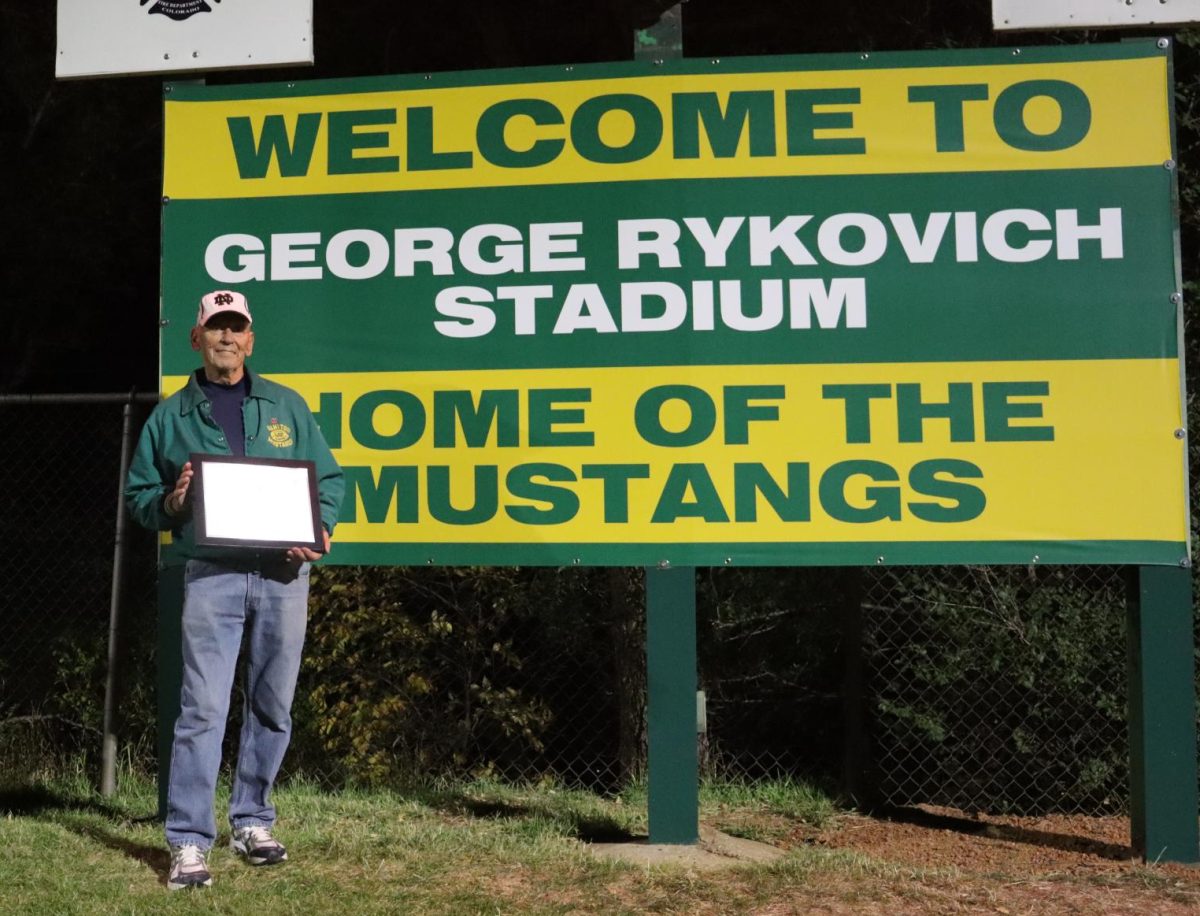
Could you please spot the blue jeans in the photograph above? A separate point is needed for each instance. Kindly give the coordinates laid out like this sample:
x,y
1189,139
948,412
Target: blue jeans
x,y
221,601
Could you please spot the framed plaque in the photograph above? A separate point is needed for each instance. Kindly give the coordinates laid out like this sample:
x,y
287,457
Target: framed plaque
x,y
255,502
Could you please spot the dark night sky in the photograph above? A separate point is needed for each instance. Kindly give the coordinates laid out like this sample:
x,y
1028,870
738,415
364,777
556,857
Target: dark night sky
x,y
79,247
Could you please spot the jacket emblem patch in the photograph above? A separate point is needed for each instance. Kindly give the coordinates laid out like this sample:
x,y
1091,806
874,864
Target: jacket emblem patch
x,y
279,434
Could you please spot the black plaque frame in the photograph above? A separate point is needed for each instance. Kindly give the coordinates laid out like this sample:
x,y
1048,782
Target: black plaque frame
x,y
202,537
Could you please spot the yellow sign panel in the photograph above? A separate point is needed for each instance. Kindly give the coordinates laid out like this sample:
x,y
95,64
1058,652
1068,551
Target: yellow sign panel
x,y
884,452
1071,115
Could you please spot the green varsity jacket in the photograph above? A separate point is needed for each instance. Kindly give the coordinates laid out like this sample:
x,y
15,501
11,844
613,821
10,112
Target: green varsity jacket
x,y
278,424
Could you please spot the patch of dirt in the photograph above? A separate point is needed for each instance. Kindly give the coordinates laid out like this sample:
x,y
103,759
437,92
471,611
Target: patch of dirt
x,y
1008,865
945,837
923,860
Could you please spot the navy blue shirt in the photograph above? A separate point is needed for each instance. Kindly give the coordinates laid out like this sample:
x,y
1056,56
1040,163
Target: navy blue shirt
x,y
226,403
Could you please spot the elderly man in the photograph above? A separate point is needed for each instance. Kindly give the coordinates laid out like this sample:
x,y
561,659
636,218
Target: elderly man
x,y
227,409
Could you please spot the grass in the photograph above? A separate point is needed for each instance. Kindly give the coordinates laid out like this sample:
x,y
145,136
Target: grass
x,y
478,847
453,848
768,811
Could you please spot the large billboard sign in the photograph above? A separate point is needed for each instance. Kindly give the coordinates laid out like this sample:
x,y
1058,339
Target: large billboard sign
x,y
910,307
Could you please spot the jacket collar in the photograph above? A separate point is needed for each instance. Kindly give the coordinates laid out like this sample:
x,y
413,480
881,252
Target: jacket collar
x,y
192,395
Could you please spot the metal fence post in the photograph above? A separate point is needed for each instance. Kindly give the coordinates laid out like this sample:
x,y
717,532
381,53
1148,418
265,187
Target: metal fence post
x,y
170,669
108,753
1162,715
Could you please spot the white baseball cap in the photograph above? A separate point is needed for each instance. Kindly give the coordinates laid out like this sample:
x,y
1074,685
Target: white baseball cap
x,y
222,300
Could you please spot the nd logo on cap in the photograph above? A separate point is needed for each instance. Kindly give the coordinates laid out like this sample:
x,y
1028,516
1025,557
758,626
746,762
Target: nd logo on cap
x,y
222,300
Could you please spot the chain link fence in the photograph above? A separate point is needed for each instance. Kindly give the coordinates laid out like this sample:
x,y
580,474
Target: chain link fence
x,y
59,475
980,688
998,688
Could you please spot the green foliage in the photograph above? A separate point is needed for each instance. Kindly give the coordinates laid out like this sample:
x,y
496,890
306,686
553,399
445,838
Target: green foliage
x,y
771,664
80,662
67,723
413,671
1000,688
410,672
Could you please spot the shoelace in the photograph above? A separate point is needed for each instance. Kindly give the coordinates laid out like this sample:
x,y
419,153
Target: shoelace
x,y
261,836
189,857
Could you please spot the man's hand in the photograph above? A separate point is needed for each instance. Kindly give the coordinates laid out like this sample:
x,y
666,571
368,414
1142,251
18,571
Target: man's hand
x,y
177,499
301,554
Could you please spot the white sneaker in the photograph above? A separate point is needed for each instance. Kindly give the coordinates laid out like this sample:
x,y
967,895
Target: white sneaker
x,y
257,846
189,868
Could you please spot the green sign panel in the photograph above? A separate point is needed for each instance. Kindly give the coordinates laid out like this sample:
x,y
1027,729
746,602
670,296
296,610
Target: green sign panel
x,y
913,308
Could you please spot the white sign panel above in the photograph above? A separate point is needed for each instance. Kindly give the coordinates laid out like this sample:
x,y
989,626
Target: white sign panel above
x,y
1091,14
116,37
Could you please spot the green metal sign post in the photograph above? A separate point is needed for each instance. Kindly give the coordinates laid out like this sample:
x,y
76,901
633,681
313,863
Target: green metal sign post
x,y
673,791
1162,715
673,788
